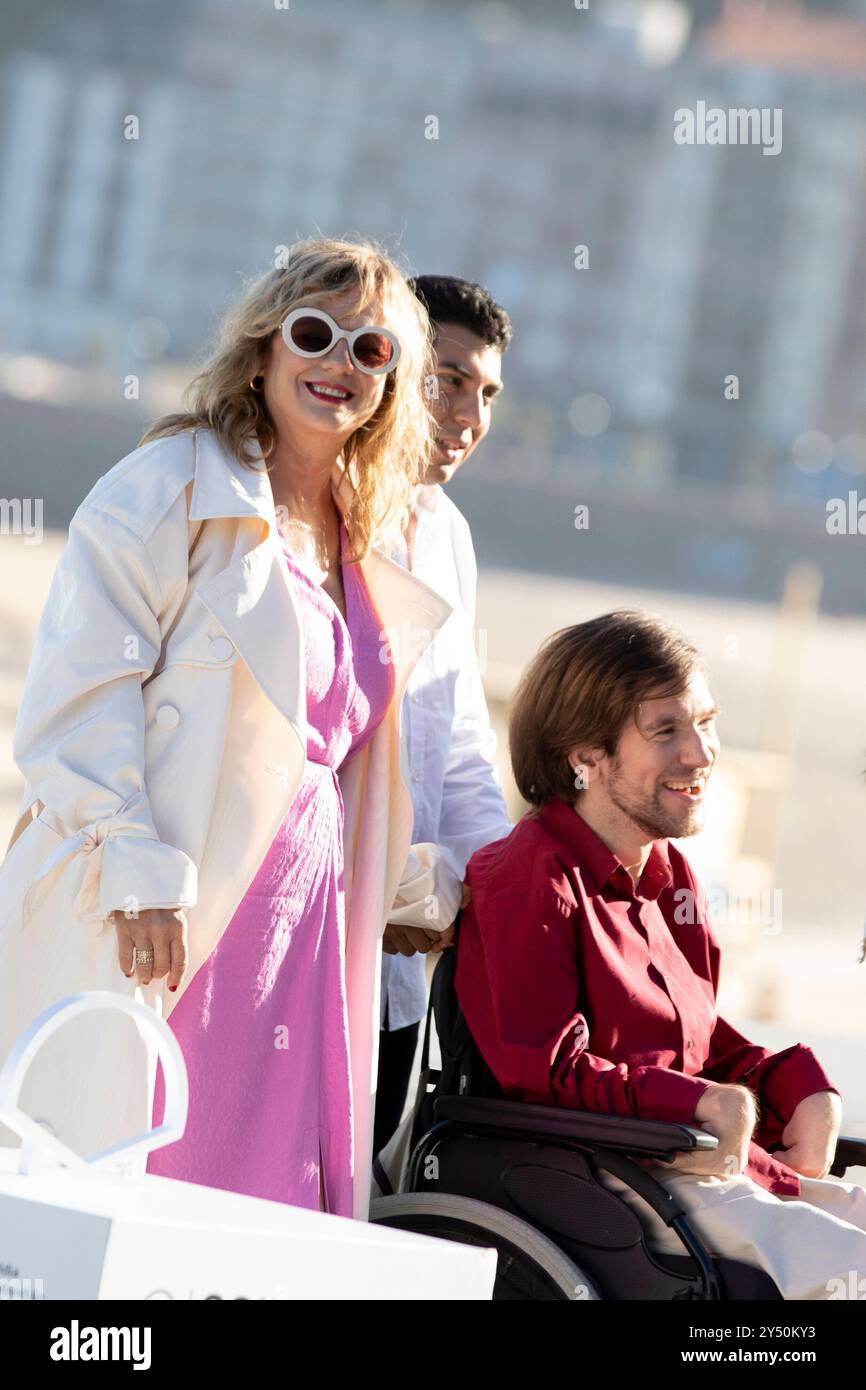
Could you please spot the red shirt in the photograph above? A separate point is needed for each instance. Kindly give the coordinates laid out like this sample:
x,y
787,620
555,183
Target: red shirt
x,y
581,991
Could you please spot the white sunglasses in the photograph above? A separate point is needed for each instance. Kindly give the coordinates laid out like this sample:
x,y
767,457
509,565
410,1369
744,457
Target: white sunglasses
x,y
312,333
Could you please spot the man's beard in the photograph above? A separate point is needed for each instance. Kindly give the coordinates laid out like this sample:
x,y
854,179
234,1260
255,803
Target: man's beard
x,y
648,813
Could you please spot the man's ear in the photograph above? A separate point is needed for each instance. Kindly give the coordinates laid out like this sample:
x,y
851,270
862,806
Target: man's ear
x,y
585,764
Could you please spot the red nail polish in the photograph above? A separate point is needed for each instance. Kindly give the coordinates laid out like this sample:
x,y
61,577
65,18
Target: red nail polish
x,y
172,988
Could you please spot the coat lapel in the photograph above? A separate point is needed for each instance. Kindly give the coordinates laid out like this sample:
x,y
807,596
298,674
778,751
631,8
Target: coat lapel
x,y
252,598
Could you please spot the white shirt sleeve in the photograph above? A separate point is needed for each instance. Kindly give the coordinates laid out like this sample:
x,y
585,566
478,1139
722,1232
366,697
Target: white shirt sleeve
x,y
430,890
473,807
459,805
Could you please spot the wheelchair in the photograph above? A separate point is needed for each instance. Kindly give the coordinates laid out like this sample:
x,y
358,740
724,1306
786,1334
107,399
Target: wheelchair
x,y
524,1179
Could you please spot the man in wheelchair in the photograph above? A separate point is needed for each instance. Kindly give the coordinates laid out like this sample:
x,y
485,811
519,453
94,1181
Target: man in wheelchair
x,y
588,966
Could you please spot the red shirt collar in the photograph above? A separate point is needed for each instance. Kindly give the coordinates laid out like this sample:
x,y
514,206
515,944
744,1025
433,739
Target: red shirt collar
x,y
594,859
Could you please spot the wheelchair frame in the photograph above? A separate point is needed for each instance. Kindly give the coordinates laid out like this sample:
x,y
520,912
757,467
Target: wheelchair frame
x,y
583,1142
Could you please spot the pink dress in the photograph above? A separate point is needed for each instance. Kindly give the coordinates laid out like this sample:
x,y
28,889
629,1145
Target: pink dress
x,y
263,1025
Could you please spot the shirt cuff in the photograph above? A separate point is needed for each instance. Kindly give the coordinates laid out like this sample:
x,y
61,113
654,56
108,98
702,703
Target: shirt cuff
x,y
669,1095
429,892
796,1075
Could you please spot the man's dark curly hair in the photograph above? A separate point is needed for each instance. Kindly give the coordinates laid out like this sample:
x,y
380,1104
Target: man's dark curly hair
x,y
448,299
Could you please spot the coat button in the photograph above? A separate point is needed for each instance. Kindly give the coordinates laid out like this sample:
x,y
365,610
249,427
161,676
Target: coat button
x,y
690,1042
221,648
167,717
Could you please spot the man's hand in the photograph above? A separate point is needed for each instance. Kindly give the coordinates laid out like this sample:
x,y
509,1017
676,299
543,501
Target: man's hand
x,y
406,941
443,940
811,1133
729,1113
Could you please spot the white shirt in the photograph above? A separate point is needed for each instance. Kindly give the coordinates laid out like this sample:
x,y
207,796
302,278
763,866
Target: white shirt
x,y
446,728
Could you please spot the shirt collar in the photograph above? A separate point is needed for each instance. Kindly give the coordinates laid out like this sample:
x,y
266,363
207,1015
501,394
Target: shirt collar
x,y
593,858
425,500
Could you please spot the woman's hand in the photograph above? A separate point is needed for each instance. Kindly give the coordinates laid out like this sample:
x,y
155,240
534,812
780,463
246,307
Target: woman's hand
x,y
162,930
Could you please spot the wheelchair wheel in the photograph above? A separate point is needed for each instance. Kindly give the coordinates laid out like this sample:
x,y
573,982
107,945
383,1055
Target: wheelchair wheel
x,y
529,1266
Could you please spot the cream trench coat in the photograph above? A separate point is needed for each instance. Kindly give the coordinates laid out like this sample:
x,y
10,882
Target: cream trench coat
x,y
162,738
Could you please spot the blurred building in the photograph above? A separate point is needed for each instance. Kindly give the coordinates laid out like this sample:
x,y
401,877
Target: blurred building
x,y
256,126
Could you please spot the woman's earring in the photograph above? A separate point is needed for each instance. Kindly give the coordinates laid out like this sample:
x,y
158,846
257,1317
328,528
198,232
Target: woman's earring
x,y
261,381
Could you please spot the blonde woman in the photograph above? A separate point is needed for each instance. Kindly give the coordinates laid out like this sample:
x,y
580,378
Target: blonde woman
x,y
215,811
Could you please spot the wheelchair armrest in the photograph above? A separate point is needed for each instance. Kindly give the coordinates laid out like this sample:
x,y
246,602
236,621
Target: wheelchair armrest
x,y
619,1132
850,1153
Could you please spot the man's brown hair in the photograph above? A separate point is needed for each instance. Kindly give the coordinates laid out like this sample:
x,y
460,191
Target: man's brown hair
x,y
581,688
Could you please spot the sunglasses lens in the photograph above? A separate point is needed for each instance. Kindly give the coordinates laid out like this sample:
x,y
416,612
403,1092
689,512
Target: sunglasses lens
x,y
311,335
373,350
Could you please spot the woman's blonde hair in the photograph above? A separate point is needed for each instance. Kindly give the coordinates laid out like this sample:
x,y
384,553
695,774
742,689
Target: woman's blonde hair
x,y
387,455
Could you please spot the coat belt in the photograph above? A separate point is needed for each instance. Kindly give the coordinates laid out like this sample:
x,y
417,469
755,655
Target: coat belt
x,y
88,840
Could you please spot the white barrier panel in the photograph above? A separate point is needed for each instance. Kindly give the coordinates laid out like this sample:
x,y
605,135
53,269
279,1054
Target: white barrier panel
x,y
102,1228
